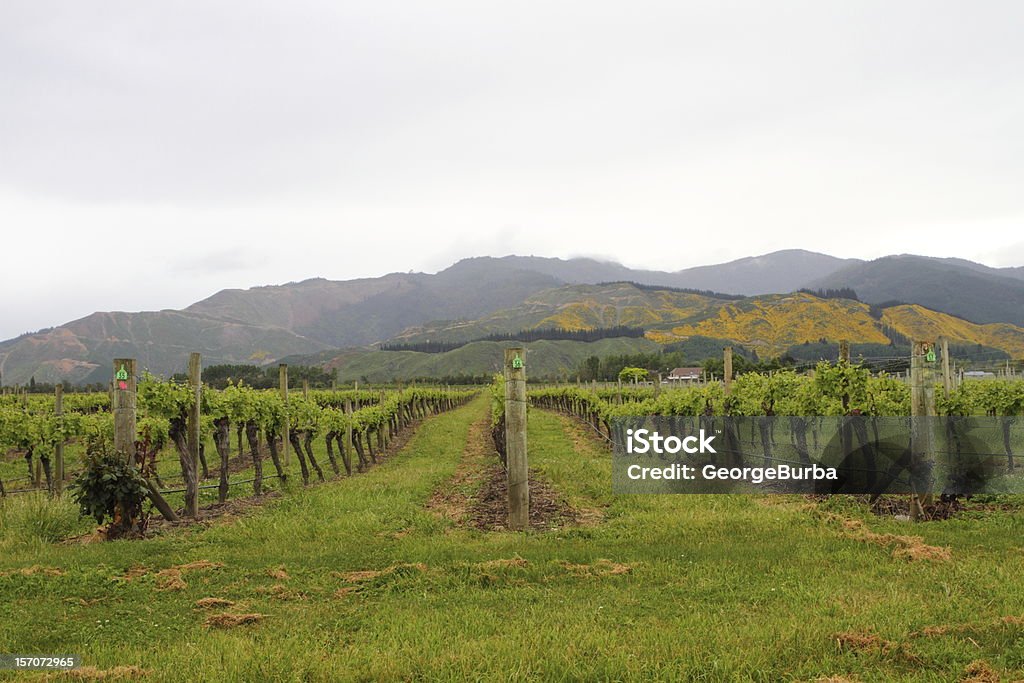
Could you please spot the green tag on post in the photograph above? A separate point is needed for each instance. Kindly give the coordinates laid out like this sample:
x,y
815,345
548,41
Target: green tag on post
x,y
517,362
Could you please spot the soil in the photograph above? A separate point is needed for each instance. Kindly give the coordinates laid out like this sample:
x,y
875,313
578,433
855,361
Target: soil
x,y
489,509
477,495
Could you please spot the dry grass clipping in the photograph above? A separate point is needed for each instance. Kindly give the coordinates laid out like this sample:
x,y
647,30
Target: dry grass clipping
x,y
502,564
953,629
278,573
33,570
909,548
979,671
91,673
599,568
354,577
198,565
228,620
862,643
170,579
133,572
209,603
367,575
281,592
851,641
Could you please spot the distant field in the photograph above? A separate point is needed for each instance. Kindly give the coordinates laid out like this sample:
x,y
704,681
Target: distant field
x,y
358,580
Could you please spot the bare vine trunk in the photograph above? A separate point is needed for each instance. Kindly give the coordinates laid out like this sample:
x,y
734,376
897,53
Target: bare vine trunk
x,y
222,442
252,434
346,457
202,461
178,433
45,461
293,439
357,442
330,451
274,454
308,443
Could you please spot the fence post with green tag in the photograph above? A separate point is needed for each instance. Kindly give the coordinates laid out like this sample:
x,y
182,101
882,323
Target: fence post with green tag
x,y
517,466
123,403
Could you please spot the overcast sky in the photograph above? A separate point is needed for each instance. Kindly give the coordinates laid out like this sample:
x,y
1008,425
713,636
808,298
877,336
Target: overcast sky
x,y
154,153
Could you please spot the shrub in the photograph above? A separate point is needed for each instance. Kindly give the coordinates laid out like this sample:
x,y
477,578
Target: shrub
x,y
110,487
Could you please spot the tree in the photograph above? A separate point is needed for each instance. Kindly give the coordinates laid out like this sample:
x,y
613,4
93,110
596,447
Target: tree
x,y
632,374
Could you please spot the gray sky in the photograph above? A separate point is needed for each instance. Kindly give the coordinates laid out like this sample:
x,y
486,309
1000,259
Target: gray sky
x,y
153,153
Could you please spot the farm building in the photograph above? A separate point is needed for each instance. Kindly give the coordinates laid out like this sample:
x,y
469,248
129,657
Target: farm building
x,y
685,374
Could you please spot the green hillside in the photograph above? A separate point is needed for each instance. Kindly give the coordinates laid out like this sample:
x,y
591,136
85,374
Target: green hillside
x,y
545,359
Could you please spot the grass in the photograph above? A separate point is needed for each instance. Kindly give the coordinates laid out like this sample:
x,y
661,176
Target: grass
x,y
355,580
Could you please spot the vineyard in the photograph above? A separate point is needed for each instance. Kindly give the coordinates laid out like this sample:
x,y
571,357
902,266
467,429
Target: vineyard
x,y
395,561
244,426
344,429
831,390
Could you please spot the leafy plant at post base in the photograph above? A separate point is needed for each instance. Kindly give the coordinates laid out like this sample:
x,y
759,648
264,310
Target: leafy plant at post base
x,y
109,486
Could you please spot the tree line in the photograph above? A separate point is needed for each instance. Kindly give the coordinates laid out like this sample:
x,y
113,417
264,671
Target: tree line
x,y
532,335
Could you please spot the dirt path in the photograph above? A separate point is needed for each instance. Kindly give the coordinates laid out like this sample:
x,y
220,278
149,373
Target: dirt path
x,y
477,494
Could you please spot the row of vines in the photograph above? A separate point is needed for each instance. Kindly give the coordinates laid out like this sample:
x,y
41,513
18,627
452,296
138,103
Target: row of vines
x,y
832,390
354,425
812,402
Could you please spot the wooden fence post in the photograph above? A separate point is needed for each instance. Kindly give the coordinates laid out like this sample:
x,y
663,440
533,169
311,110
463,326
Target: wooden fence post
x,y
922,405
727,367
515,439
282,377
123,404
195,381
844,351
58,451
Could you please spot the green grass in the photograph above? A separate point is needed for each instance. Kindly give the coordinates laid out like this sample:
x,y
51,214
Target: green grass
x,y
720,588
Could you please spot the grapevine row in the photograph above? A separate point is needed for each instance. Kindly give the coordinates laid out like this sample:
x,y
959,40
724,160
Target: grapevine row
x,y
356,435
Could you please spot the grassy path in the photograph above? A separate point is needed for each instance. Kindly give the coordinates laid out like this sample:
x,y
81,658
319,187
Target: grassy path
x,y
359,581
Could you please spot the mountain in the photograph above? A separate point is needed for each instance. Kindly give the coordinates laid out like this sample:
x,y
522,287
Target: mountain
x,y
574,307
1014,272
918,322
481,295
358,312
966,290
779,271
767,324
265,323
770,325
82,351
